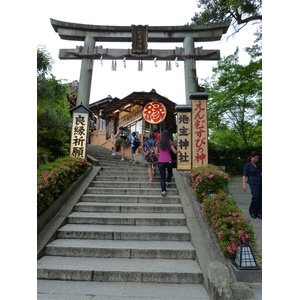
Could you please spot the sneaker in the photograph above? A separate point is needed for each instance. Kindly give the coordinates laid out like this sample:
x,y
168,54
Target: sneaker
x,y
134,162
113,153
163,194
131,160
168,183
122,158
150,180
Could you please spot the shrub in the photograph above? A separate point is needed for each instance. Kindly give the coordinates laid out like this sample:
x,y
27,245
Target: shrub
x,y
53,179
233,158
207,179
53,116
227,222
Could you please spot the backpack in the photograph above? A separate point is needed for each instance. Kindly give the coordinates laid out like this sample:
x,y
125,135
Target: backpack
x,y
150,154
136,142
123,134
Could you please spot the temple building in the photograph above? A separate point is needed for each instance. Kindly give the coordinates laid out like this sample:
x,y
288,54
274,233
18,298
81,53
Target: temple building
x,y
138,112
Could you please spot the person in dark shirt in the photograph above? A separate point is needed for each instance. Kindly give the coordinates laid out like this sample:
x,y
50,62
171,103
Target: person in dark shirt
x,y
253,173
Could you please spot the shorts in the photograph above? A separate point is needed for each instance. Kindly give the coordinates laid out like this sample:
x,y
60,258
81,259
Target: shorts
x,y
133,149
120,142
154,163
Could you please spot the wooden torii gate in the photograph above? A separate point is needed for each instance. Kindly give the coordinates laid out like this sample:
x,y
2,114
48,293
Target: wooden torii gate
x,y
139,36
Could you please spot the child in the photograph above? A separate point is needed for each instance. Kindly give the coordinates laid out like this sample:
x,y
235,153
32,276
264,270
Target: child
x,y
152,160
133,147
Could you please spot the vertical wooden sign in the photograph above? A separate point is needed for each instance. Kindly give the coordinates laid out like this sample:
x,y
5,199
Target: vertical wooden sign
x,y
139,38
199,129
79,134
184,137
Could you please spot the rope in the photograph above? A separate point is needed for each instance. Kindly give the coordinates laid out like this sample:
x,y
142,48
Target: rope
x,y
138,56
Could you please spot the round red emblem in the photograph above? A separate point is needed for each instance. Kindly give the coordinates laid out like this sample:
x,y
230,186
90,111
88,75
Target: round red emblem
x,y
154,112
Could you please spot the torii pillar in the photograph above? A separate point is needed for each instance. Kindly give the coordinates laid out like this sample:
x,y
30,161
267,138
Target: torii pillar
x,y
191,84
86,73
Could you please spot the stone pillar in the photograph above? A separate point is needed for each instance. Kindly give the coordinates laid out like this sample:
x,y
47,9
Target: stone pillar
x,y
86,72
191,85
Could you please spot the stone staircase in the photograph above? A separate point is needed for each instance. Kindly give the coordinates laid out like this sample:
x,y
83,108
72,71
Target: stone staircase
x,y
122,232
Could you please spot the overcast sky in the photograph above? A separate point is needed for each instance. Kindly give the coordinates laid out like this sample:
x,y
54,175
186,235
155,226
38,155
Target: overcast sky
x,y
123,82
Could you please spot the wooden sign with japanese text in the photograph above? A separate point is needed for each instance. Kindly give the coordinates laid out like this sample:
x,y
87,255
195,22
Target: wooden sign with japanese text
x,y
184,137
139,38
131,117
199,132
79,134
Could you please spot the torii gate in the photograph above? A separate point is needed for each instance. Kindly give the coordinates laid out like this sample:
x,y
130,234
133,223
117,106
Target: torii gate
x,y
139,36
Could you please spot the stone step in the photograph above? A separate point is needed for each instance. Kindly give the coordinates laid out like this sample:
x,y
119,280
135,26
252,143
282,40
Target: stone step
x,y
113,160
169,199
121,249
143,219
109,161
128,207
129,191
121,177
116,232
84,290
121,170
130,184
119,269
116,161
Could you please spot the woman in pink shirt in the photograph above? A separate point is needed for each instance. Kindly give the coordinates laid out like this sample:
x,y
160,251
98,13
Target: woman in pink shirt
x,y
162,152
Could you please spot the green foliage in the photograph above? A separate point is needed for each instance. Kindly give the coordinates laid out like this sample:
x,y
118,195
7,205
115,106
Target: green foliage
x,y
53,117
235,99
227,222
233,158
207,179
53,179
44,62
241,12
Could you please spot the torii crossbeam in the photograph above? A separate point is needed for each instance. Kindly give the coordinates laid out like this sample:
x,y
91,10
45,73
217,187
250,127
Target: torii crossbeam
x,y
91,34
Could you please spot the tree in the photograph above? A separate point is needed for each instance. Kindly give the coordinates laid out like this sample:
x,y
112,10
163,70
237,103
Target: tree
x,y
53,117
241,12
235,100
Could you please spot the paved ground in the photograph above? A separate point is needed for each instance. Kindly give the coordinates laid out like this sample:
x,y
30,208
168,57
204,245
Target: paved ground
x,y
243,200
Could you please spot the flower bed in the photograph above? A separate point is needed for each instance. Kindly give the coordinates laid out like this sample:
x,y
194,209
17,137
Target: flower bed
x,y
207,179
55,178
226,220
